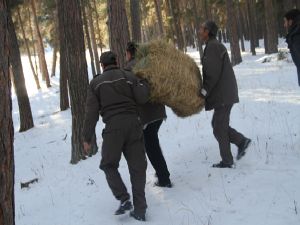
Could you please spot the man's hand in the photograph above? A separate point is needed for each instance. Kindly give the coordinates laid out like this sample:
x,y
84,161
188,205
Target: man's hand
x,y
202,93
86,147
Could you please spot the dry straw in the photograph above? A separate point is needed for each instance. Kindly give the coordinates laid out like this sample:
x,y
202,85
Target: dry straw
x,y
174,77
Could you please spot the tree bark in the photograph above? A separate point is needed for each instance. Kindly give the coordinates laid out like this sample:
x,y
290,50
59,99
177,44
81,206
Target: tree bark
x,y
7,168
26,121
56,46
272,37
241,27
197,26
36,78
40,45
175,12
70,22
118,29
64,71
135,20
88,39
33,40
93,37
98,30
236,57
157,4
251,25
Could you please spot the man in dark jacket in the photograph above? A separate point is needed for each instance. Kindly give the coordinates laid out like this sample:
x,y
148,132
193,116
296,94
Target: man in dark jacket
x,y
220,92
292,24
152,116
115,95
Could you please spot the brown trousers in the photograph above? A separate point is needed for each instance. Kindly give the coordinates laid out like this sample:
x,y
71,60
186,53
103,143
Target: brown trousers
x,y
224,133
125,135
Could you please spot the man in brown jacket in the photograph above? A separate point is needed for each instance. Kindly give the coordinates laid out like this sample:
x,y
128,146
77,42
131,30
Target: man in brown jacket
x,y
220,92
115,95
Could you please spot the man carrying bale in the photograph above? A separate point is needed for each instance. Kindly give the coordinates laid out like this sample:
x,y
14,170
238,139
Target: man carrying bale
x,y
220,92
115,95
152,116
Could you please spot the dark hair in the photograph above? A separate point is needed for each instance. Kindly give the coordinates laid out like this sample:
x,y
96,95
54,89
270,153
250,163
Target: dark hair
x,y
212,27
292,14
131,48
108,58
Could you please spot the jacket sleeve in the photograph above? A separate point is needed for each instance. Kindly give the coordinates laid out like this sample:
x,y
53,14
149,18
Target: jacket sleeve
x,y
92,109
212,67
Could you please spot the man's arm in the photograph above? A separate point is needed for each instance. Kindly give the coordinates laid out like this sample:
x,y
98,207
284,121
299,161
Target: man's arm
x,y
92,109
212,67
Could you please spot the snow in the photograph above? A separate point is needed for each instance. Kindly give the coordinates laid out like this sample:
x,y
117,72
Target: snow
x,y
263,189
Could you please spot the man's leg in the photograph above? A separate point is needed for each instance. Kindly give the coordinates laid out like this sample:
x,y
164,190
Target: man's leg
x,y
134,152
111,155
154,152
220,124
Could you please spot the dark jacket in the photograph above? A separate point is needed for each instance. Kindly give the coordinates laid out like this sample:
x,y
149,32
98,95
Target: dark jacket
x,y
293,41
149,112
218,76
114,93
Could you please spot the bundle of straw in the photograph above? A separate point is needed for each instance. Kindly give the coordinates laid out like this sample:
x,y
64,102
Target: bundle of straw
x,y
174,77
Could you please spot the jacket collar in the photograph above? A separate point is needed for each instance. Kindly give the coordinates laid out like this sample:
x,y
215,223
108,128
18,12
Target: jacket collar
x,y
110,67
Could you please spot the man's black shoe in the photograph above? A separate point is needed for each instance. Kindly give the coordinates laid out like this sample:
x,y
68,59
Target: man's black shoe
x,y
242,148
222,165
140,217
163,184
124,206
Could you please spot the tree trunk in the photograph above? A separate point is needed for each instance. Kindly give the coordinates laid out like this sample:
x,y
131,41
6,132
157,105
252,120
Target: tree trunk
x,y
175,12
157,4
270,27
118,29
36,78
236,57
40,45
70,22
98,27
64,71
55,48
26,121
93,37
54,59
251,25
33,40
88,39
7,168
241,27
135,20
171,31
197,26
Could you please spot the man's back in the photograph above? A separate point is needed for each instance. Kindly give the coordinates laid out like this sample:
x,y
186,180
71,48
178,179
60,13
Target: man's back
x,y
118,92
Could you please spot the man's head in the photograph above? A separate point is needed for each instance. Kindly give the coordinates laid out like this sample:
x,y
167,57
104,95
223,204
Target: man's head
x,y
290,17
130,50
208,29
108,58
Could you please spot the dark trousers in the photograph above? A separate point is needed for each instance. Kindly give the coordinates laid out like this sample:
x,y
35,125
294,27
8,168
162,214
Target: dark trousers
x,y
154,152
125,135
224,133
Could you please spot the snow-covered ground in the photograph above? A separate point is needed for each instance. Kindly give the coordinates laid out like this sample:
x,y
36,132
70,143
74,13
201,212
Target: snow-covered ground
x,y
263,189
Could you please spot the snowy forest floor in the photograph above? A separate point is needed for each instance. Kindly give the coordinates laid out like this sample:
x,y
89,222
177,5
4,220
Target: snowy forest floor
x,y
263,189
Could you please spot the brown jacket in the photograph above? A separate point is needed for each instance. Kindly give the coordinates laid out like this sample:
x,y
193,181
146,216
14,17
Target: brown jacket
x,y
218,76
149,112
114,93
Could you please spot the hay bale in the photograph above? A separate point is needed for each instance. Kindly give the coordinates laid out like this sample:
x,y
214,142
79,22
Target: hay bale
x,y
174,77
